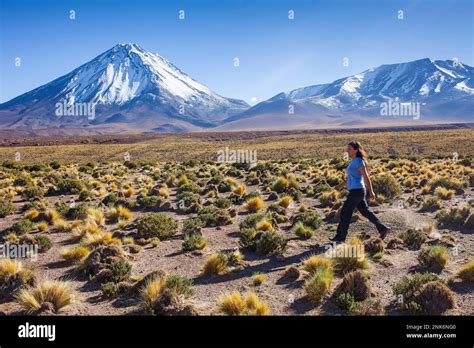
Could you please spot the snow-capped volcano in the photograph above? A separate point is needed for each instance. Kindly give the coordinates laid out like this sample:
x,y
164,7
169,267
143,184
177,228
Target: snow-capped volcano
x,y
127,85
444,89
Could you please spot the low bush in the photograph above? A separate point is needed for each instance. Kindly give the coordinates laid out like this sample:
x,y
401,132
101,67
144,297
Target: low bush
x,y
158,225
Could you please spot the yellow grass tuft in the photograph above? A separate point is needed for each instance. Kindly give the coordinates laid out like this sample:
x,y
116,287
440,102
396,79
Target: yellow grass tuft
x,y
254,205
57,293
314,263
235,304
75,254
285,201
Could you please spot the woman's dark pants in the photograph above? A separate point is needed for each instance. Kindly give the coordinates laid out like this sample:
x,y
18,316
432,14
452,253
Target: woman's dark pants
x,y
356,199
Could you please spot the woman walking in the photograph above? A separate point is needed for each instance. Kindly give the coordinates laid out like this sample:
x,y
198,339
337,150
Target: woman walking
x,y
359,184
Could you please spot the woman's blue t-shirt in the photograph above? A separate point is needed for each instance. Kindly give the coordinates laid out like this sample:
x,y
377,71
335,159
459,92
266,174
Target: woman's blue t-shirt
x,y
354,178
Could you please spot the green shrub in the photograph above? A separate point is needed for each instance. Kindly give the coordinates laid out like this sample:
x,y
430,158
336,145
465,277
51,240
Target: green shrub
x,y
408,289
120,270
308,218
79,212
194,242
345,301
302,231
280,185
434,257
44,243
386,185
413,238
22,227
212,216
454,217
159,225
148,202
69,186
431,204
6,207
223,203
181,284
32,192
318,284
110,289
466,273
271,242
192,226
447,183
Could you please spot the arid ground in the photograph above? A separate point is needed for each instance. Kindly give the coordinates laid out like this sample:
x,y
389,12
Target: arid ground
x,y
165,204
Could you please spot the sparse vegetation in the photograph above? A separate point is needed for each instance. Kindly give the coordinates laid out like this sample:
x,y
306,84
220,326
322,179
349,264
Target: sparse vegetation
x,y
235,304
101,217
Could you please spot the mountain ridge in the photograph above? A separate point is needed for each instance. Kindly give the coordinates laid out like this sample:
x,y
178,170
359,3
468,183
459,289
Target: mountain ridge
x,y
134,90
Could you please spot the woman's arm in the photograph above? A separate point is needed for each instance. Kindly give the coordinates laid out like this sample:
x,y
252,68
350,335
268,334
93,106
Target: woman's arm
x,y
367,181
341,185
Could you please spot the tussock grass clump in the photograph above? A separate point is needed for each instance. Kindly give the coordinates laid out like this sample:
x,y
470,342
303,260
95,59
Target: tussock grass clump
x,y
235,304
258,279
431,204
22,227
159,225
435,298
408,289
32,214
280,185
455,217
216,264
433,258
374,246
315,263
308,218
75,254
160,295
254,205
466,273
49,295
270,243
6,206
194,242
239,190
13,275
446,183
318,284
114,214
329,198
98,239
303,231
285,201
356,284
41,226
264,225
350,256
413,238
443,193
386,185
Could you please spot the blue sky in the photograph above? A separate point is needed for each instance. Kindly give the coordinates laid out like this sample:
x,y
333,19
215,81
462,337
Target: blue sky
x,y
276,54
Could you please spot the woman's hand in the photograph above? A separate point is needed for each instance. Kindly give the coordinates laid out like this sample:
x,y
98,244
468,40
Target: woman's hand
x,y
371,195
340,186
